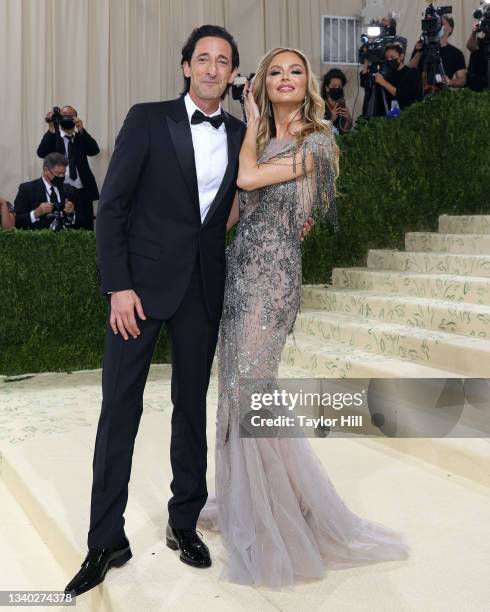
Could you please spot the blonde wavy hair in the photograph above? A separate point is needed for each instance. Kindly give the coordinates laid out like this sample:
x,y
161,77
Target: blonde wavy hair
x,y
312,111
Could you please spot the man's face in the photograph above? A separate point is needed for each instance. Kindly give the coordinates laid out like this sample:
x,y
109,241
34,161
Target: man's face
x,y
210,69
58,170
68,111
447,27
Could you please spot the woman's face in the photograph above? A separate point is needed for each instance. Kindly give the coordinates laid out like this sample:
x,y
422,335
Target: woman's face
x,y
286,80
391,54
335,84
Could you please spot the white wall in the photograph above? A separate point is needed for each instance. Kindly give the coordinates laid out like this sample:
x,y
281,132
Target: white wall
x,y
101,56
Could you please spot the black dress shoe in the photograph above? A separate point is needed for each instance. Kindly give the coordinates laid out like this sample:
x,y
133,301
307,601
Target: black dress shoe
x,y
193,551
95,567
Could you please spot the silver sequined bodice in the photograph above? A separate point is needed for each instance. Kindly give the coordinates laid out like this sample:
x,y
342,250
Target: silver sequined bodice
x,y
263,278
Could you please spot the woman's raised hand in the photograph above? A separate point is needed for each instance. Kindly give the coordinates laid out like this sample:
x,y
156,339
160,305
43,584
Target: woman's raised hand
x,y
251,109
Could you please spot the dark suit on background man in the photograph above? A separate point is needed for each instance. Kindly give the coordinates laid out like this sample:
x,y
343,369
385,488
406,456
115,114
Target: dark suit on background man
x,y
83,145
151,238
30,195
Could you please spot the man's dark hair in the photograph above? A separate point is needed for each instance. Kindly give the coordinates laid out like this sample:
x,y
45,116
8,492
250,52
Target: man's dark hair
x,y
334,73
393,22
190,46
54,159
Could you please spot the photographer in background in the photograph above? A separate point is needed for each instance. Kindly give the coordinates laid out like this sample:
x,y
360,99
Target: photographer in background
x,y
332,92
452,58
67,135
390,24
398,81
477,78
42,203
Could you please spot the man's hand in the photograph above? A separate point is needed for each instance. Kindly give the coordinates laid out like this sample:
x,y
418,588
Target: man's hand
x,y
380,80
50,123
307,228
123,305
69,206
78,124
43,209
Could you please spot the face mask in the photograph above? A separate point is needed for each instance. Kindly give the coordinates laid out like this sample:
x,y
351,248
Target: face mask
x,y
392,64
58,181
336,93
67,123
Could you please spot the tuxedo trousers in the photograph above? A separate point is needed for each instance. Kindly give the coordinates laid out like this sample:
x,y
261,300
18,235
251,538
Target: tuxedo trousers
x,y
193,336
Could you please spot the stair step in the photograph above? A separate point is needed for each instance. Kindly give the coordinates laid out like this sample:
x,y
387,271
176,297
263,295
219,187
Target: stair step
x,y
464,224
465,355
438,315
455,288
449,263
448,243
330,359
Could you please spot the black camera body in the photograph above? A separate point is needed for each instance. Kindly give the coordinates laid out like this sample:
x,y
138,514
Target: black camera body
x,y
58,218
432,23
373,48
67,122
482,14
55,117
238,86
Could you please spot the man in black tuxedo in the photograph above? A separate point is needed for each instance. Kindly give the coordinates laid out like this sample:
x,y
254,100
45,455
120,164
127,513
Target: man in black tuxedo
x,y
36,200
161,229
69,137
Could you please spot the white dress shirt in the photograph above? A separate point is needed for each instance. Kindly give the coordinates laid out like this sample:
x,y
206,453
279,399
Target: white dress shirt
x,y
75,182
210,154
48,188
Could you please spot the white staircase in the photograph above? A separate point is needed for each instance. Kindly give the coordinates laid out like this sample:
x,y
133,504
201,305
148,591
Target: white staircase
x,y
419,313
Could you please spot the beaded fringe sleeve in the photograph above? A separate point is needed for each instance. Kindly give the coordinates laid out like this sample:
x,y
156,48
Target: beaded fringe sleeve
x,y
315,192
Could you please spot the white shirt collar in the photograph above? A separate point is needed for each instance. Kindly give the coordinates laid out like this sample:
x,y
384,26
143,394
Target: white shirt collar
x,y
63,133
48,185
191,107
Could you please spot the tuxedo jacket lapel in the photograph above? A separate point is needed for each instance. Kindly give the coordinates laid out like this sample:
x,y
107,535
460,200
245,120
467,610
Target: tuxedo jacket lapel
x,y
233,136
40,195
180,134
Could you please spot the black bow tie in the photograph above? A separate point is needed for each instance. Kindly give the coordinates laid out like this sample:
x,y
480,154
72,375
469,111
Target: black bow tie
x,y
199,117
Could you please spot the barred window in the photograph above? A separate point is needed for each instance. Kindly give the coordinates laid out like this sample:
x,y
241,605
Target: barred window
x,y
340,39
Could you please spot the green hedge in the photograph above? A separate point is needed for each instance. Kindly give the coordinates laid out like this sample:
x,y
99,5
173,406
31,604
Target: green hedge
x,y
399,175
53,316
396,176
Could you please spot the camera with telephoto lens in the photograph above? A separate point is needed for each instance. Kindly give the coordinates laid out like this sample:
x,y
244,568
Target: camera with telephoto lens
x,y
239,84
66,122
432,24
374,42
55,117
58,219
482,15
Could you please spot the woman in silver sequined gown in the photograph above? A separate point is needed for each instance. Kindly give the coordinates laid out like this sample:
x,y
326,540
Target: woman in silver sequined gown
x,y
280,517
